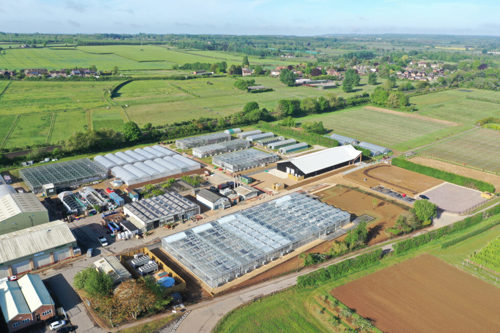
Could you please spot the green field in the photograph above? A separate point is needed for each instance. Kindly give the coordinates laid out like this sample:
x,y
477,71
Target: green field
x,y
465,106
107,118
126,57
391,130
299,306
34,127
488,256
478,148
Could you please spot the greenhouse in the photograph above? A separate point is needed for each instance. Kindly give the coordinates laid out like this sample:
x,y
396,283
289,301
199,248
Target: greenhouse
x,y
220,251
219,148
374,149
63,174
294,147
203,140
260,136
244,159
279,144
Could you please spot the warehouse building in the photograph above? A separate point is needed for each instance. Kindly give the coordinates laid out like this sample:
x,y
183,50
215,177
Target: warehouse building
x,y
220,251
212,200
319,162
243,135
202,140
220,148
246,192
25,302
113,267
244,160
344,140
151,213
31,248
20,210
374,149
146,164
292,148
63,174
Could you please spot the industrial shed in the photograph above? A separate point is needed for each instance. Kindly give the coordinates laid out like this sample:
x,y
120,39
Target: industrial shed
x,y
319,162
374,149
282,143
63,174
20,210
220,148
35,247
244,159
294,147
114,268
344,140
160,210
212,200
202,140
146,164
220,251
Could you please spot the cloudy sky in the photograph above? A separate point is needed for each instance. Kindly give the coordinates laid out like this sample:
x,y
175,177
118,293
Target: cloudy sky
x,y
290,17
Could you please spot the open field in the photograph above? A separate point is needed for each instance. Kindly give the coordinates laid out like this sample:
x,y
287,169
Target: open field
x,y
34,127
477,148
393,130
424,294
305,300
459,170
359,203
465,106
107,118
488,256
126,57
393,177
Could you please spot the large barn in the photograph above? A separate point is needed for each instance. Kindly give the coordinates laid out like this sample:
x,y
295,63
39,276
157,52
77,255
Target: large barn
x,y
319,162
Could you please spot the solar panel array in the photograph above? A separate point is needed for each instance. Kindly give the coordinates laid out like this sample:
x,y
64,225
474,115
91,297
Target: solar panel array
x,y
235,244
62,174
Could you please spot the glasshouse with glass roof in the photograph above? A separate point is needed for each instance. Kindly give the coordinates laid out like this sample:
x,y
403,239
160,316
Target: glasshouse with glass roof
x,y
220,251
63,174
244,159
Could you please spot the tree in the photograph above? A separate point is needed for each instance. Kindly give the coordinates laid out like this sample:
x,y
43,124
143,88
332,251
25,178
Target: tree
x,y
309,105
397,99
288,122
424,210
258,70
234,70
93,68
115,70
135,297
352,77
245,62
314,127
357,236
372,78
94,282
287,77
250,106
347,86
131,131
379,96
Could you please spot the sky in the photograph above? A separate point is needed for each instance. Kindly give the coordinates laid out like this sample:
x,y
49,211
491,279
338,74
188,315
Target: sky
x,y
252,17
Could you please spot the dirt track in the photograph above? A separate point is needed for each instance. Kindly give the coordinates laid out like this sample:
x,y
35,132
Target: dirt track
x,y
424,294
411,115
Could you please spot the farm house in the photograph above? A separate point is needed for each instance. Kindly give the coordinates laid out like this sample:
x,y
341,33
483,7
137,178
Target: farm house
x,y
319,162
244,159
203,140
219,148
154,212
63,174
220,251
374,149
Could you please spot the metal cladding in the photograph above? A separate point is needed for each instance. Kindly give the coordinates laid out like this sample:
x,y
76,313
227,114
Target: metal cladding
x,y
220,251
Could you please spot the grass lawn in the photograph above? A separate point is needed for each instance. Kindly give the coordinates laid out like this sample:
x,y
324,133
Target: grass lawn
x,y
391,130
68,123
465,106
107,118
297,305
33,128
478,148
6,123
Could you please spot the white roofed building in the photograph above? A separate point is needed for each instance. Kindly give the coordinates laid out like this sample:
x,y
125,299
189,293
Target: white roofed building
x,y
319,162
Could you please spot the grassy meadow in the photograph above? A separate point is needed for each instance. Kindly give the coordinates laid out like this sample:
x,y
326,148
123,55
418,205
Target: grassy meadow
x,y
301,307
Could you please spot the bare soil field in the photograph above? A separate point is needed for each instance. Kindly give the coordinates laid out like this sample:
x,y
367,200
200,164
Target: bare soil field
x,y
395,178
359,203
424,294
459,170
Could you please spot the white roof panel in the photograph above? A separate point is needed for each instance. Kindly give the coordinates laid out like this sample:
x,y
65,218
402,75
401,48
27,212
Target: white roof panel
x,y
147,155
115,159
325,158
127,158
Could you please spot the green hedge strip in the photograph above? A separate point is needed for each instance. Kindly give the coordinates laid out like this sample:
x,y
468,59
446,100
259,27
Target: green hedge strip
x,y
446,176
469,235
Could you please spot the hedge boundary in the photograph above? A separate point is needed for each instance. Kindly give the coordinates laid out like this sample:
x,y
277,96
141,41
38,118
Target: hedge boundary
x,y
469,235
444,175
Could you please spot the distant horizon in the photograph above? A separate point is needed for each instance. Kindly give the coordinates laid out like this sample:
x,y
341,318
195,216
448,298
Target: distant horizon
x,y
253,17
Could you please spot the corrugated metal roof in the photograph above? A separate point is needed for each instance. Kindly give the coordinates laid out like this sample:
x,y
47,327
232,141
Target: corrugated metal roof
x,y
29,241
12,300
325,158
13,204
6,189
34,291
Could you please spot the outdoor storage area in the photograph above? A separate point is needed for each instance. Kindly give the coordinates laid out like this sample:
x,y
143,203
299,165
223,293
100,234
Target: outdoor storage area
x,y
63,174
220,251
395,178
425,294
244,160
454,198
360,203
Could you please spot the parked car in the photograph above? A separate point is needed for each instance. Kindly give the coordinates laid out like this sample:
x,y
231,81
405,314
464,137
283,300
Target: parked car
x,y
67,329
90,253
13,278
423,197
103,241
57,324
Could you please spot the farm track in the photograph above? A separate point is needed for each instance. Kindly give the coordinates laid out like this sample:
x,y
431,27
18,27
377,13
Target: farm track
x,y
90,123
53,117
5,89
11,130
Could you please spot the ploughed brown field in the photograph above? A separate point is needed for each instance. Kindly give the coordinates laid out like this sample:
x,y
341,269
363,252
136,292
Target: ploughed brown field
x,y
395,178
424,294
